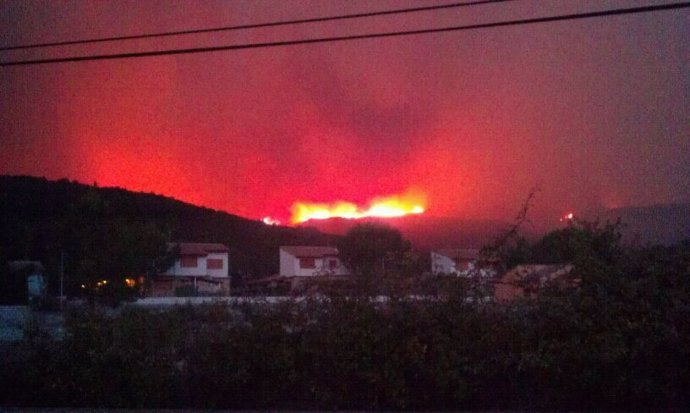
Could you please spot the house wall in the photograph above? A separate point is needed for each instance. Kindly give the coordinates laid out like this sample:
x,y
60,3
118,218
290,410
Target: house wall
x,y
207,280
440,264
339,269
289,266
287,263
201,267
179,270
308,272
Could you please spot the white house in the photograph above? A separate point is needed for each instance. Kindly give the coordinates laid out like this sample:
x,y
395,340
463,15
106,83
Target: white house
x,y
461,262
527,279
201,266
310,261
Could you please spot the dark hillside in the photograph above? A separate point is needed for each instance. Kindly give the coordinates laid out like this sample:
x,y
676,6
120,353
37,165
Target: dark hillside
x,y
427,232
35,213
664,224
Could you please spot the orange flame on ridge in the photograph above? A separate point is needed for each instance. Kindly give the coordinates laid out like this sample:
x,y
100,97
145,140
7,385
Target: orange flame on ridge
x,y
385,207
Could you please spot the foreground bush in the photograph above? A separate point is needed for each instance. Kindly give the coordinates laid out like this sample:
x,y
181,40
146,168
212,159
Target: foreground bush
x,y
619,341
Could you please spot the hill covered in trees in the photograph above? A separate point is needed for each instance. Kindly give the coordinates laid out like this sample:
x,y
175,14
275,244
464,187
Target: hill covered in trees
x,y
426,232
46,220
665,224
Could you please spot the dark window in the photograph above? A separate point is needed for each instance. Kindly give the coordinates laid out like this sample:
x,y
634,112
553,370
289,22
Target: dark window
x,y
188,262
463,265
307,262
332,264
214,264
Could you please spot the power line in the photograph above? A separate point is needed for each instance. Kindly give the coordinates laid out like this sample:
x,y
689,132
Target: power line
x,y
575,16
254,26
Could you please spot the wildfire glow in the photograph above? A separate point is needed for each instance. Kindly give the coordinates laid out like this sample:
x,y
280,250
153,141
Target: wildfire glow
x,y
568,217
270,221
386,207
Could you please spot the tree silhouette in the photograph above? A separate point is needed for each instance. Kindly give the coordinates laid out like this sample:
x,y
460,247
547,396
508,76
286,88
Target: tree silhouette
x,y
370,248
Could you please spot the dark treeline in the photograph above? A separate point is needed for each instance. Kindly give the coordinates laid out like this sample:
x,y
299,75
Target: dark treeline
x,y
111,232
617,341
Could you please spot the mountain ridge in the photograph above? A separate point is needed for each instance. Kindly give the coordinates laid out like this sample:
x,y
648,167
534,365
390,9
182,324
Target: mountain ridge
x,y
31,206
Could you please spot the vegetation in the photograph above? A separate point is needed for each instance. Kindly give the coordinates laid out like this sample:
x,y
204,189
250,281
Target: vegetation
x,y
368,247
111,234
578,240
616,342
379,257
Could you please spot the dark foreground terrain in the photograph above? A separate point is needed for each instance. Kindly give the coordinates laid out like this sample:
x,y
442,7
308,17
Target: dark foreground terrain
x,y
614,343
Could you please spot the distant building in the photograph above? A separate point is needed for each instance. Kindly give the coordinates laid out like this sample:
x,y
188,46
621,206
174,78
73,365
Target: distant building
x,y
304,261
525,280
200,268
460,262
29,281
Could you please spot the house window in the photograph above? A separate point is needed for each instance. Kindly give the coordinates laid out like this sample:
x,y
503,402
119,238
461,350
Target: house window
x,y
214,264
463,265
332,264
188,262
307,262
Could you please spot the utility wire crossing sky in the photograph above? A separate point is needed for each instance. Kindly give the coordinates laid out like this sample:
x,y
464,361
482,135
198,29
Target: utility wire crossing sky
x,y
255,25
593,110
575,16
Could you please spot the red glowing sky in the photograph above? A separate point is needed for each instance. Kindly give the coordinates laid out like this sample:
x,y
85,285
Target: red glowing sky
x,y
595,112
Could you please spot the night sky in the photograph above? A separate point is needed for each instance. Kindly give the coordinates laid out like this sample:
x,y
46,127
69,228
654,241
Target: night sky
x,y
594,112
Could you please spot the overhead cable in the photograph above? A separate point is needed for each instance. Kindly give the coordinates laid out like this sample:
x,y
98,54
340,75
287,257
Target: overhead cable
x,y
506,23
253,26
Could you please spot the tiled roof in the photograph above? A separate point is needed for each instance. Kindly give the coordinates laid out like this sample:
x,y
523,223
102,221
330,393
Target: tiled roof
x,y
304,251
198,248
460,254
